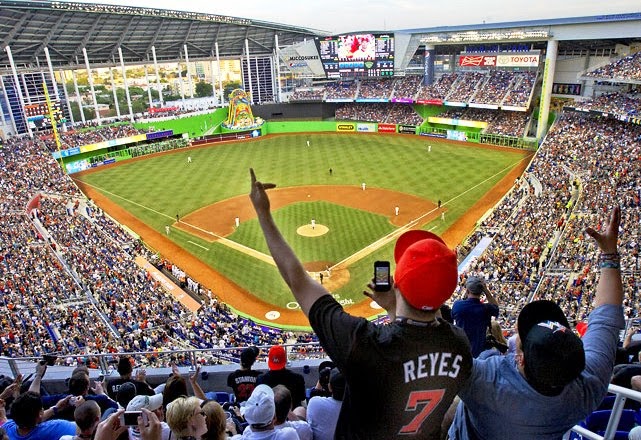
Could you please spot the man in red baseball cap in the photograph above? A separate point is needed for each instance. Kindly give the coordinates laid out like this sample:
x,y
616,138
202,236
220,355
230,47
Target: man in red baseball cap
x,y
279,374
402,377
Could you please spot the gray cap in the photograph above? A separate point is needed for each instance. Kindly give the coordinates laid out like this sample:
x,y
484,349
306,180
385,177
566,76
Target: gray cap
x,y
475,285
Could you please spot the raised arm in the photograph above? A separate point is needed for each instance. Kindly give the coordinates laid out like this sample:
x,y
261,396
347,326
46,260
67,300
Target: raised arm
x,y
305,289
610,288
490,297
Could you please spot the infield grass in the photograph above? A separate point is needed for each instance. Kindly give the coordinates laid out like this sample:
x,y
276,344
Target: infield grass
x,y
156,189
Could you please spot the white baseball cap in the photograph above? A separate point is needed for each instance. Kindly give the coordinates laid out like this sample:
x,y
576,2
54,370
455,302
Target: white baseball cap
x,y
259,409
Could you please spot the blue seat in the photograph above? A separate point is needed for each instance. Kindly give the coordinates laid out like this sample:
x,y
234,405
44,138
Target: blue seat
x,y
222,397
598,420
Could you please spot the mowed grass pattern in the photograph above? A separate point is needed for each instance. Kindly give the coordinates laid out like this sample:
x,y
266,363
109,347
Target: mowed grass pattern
x,y
157,189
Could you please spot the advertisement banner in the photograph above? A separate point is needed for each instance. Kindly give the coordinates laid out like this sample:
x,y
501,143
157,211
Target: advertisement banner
x,y
366,128
403,100
430,101
387,128
477,60
407,129
345,127
487,106
456,135
372,100
159,134
517,60
455,104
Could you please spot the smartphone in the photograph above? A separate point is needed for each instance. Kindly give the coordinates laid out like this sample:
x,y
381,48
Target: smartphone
x,y
101,378
49,359
130,418
382,276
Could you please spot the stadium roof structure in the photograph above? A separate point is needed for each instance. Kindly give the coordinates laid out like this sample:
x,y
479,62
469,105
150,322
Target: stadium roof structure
x,y
65,28
572,33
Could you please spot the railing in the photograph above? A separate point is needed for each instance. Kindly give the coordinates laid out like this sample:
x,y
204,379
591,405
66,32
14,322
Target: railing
x,y
622,394
215,357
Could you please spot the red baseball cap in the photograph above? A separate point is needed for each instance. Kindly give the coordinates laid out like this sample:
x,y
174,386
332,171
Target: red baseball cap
x,y
277,358
426,269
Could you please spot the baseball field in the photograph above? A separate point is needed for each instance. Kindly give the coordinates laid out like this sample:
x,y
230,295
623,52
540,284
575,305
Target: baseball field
x,y
353,224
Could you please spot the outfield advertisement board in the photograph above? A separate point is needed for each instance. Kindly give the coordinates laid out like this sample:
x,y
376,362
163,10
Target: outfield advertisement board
x,y
366,127
345,127
387,128
407,129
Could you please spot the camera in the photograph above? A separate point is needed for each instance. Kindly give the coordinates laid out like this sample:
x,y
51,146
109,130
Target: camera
x,y
49,359
130,418
382,276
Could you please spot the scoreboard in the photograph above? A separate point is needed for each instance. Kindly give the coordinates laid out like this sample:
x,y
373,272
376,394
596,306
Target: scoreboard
x,y
357,55
38,114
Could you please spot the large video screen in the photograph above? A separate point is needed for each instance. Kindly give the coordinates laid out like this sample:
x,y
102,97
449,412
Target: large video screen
x,y
357,55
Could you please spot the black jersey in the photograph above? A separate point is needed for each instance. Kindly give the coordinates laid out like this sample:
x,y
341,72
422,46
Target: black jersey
x,y
243,383
401,378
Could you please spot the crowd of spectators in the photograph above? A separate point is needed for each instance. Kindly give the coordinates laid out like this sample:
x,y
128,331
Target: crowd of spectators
x,y
439,89
492,91
538,248
379,112
85,136
341,90
380,88
87,294
519,94
307,94
628,67
493,87
465,86
70,284
407,87
506,123
622,104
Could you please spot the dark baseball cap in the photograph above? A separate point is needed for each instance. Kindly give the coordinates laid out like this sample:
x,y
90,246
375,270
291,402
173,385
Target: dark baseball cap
x,y
125,394
553,353
475,285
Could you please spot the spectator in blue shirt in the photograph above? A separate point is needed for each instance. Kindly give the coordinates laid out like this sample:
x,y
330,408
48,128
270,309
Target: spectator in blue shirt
x,y
473,316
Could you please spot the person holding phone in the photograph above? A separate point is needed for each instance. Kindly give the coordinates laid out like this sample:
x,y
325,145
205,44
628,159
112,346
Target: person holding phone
x,y
402,377
474,316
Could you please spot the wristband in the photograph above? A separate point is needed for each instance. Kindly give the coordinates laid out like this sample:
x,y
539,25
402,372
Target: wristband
x,y
609,264
610,257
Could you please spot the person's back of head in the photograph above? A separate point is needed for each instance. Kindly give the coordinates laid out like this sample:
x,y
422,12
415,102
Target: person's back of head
x,y
124,366
126,392
216,421
82,369
283,403
25,410
175,387
248,357
474,286
337,384
78,384
87,416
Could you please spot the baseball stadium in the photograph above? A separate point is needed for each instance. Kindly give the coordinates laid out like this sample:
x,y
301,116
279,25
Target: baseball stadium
x,y
129,233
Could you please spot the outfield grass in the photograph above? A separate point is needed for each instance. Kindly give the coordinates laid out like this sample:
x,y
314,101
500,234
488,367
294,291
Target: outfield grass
x,y
155,190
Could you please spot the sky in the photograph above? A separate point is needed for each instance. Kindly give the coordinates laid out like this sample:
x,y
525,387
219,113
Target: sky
x,y
341,16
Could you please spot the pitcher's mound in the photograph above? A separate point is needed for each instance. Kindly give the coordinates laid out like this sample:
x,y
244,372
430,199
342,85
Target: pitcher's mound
x,y
308,231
